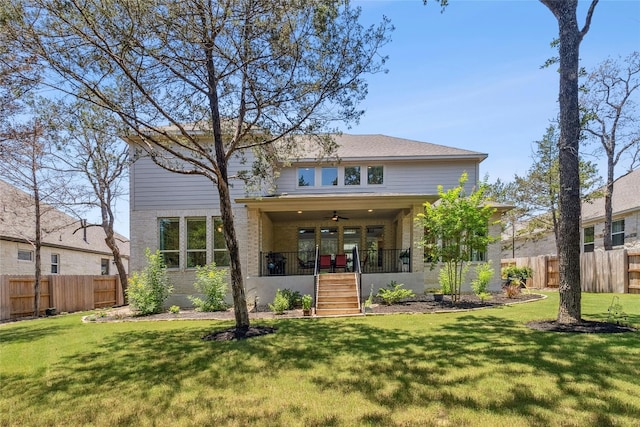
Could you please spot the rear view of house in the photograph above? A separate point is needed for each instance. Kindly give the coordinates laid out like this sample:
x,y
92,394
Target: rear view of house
x,y
350,216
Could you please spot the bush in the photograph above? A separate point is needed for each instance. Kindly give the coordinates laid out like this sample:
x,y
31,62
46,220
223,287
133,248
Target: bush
x,y
280,303
516,275
148,290
484,273
511,290
211,282
392,294
294,298
306,302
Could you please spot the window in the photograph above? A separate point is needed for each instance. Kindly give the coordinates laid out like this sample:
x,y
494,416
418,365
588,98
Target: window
x,y
196,242
25,255
169,236
220,252
352,175
588,239
617,233
329,241
104,266
307,244
375,175
329,176
55,264
306,177
478,256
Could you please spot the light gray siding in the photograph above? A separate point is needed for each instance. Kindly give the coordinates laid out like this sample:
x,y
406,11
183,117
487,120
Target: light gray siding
x,y
155,188
399,177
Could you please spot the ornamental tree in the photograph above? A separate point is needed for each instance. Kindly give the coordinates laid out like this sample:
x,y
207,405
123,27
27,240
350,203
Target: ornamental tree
x,y
456,226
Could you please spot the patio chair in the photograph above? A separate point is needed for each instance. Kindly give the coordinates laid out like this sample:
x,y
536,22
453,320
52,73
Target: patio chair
x,y
341,262
325,262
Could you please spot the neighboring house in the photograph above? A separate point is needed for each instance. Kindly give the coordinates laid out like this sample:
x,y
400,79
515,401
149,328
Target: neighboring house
x,y
67,248
624,230
367,200
626,216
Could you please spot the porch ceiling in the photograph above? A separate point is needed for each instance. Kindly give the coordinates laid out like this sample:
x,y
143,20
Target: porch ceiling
x,y
318,207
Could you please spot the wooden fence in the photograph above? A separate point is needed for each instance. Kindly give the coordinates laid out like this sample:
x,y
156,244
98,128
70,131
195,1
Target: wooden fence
x,y
615,271
64,293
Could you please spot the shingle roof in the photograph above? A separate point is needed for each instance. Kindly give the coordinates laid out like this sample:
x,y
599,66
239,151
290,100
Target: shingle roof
x,y
626,197
59,229
376,146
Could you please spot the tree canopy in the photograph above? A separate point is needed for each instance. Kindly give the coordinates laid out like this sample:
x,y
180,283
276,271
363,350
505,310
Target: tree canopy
x,y
198,82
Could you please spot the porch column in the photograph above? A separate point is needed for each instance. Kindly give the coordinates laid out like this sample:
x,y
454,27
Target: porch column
x,y
417,232
254,227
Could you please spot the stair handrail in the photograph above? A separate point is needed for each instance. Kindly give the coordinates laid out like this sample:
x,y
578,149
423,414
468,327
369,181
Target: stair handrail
x,y
315,280
355,255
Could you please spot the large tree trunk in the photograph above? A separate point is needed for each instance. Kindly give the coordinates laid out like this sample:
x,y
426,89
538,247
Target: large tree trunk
x,y
38,245
568,144
569,225
117,259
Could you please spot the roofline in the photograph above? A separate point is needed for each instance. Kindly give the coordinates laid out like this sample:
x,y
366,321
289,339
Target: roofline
x,y
478,156
58,246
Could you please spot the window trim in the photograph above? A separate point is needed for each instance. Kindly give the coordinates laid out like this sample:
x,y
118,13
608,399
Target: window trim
x,y
24,251
588,246
617,233
56,264
170,251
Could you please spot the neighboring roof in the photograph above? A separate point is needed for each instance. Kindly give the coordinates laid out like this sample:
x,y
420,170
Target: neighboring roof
x,y
359,147
60,230
626,197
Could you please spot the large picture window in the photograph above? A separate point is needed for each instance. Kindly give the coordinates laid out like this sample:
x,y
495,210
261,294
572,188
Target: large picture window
x,y
220,252
617,233
196,242
589,239
169,239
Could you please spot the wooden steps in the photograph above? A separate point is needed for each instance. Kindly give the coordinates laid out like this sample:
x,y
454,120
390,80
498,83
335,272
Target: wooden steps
x,y
337,295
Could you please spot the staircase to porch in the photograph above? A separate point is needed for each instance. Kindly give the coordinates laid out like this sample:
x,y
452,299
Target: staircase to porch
x,y
337,294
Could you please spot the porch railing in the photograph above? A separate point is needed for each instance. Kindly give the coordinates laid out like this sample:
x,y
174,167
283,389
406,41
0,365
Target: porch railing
x,y
304,263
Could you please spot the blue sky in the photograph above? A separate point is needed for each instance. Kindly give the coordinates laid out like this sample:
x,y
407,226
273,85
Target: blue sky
x,y
470,77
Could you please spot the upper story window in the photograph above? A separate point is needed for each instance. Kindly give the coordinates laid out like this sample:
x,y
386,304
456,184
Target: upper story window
x,y
25,255
169,241
375,175
306,177
196,242
329,176
588,239
617,233
352,175
55,264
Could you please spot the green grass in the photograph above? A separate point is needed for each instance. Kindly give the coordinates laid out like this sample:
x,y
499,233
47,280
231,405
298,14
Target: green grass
x,y
480,368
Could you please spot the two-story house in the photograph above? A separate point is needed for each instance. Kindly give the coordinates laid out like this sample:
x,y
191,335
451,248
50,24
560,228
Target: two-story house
x,y
355,215
67,247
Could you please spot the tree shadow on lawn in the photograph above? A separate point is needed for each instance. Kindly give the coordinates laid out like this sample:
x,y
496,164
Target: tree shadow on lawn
x,y
393,368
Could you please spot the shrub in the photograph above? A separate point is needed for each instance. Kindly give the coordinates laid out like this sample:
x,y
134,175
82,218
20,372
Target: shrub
x,y
447,279
174,309
294,298
306,302
484,273
149,289
211,282
516,275
280,303
392,294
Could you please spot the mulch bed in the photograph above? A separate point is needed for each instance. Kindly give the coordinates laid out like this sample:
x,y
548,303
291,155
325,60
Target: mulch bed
x,y
417,304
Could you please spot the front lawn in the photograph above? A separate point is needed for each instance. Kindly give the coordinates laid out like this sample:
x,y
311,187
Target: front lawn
x,y
479,368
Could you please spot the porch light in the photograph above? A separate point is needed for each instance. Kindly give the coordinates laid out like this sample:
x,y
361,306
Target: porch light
x,y
299,212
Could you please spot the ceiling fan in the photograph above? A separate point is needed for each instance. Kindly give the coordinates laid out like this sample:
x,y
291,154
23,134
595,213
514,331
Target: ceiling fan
x,y
335,217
